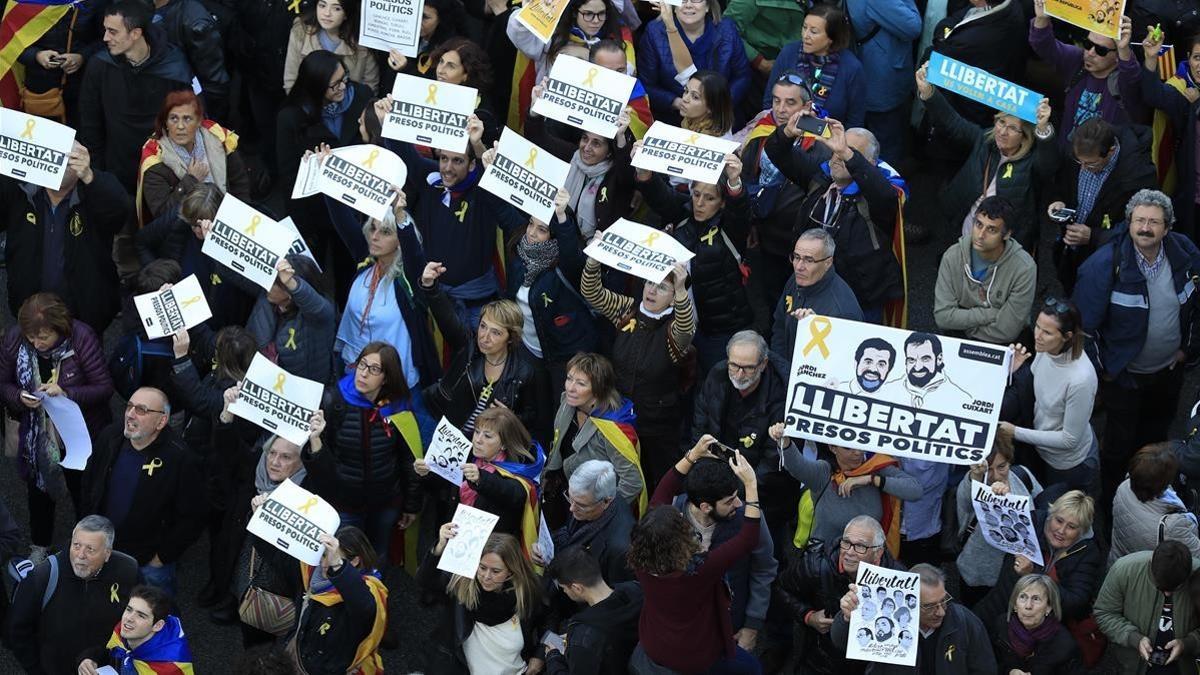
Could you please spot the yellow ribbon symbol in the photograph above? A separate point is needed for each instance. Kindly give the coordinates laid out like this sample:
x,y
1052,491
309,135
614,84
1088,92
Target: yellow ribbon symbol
x,y
630,326
819,328
155,463
532,157
112,593
462,211
32,219
324,628
747,441
370,163
589,81
546,300
294,6
651,238
291,341
708,238
603,194
28,133
788,300
279,379
950,653
691,140
190,301
214,279
306,506
432,97
1007,171
253,228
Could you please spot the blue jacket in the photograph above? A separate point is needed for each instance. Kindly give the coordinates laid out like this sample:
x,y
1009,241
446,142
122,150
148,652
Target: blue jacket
x,y
1114,302
563,320
656,68
847,100
887,58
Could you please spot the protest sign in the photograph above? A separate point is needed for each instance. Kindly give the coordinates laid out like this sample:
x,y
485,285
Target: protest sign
x,y
1098,16
430,113
682,153
980,85
884,626
277,401
463,552
584,95
391,24
181,306
545,542
361,177
541,17
1006,521
640,250
292,519
525,176
34,149
71,428
447,452
306,177
899,392
299,246
246,241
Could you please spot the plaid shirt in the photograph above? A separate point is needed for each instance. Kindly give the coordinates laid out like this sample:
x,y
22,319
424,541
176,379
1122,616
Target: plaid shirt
x,y
1150,270
1090,184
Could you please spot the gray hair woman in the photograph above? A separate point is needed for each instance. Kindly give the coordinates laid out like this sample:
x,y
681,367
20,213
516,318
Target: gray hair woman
x,y
1029,636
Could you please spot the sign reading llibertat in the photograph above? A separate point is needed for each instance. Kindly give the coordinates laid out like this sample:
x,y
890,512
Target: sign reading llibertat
x,y
883,628
363,177
292,520
430,113
166,311
640,250
682,153
1006,521
34,149
247,241
278,401
585,95
525,176
899,392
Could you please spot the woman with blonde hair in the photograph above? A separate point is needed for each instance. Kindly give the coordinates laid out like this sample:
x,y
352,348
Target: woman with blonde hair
x,y
489,622
1030,637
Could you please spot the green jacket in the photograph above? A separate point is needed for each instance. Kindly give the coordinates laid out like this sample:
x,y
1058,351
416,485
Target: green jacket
x,y
767,25
1128,609
995,309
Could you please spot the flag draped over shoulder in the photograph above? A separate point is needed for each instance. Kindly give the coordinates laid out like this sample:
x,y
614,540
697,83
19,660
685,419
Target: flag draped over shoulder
x,y
528,475
366,658
152,152
617,428
890,519
23,24
895,312
1162,147
165,653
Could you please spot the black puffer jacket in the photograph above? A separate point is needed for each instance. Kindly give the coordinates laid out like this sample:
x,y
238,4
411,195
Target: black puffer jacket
x,y
749,433
721,302
374,463
1058,655
193,29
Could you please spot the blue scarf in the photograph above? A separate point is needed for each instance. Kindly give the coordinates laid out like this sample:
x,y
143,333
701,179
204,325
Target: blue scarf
x,y
1184,73
452,192
332,114
530,472
354,398
891,174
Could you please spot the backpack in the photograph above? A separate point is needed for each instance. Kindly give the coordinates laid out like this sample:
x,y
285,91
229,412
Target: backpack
x,y
19,572
127,365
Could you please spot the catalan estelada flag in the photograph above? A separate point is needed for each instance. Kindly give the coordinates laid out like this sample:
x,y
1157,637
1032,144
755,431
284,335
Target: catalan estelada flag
x,y
617,428
895,312
152,155
528,476
165,653
640,119
23,23
1162,147
366,658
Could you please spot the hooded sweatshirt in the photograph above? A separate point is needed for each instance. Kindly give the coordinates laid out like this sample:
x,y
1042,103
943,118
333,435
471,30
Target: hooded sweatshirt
x,y
995,308
600,638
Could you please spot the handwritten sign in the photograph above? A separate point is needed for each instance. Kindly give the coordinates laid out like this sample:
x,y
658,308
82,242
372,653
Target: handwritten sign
x,y
640,250
277,401
1005,521
884,626
430,113
447,452
463,552
362,177
585,95
541,18
545,541
246,241
682,153
292,519
306,177
980,85
391,24
525,176
181,306
1098,16
34,149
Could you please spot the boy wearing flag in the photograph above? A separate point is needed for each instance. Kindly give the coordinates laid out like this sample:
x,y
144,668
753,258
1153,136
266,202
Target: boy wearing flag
x,y
148,639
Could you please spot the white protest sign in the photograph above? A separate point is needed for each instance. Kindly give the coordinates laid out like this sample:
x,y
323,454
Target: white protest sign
x,y
884,626
277,401
525,176
1006,522
430,113
893,391
306,177
361,177
299,246
545,541
292,519
183,305
447,452
686,154
34,149
246,241
391,24
640,250
463,552
72,429
585,95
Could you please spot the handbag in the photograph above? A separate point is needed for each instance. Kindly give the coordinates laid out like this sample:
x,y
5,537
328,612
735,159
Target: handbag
x,y
50,103
1091,641
269,612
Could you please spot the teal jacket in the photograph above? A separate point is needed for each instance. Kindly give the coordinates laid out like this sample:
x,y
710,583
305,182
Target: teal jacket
x,y
767,25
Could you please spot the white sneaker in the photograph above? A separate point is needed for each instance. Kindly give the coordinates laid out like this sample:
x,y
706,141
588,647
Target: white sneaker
x,y
37,554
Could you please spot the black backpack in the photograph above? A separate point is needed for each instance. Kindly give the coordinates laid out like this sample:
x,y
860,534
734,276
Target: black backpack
x,y
128,362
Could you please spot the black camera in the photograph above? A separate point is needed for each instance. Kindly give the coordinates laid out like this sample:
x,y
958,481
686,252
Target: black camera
x,y
722,451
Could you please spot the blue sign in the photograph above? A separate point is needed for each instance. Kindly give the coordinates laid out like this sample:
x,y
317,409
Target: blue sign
x,y
980,85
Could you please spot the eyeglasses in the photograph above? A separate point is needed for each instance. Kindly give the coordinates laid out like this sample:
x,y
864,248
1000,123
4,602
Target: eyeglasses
x,y
1100,50
582,507
934,606
593,16
371,368
860,549
340,84
739,368
695,2
806,259
141,410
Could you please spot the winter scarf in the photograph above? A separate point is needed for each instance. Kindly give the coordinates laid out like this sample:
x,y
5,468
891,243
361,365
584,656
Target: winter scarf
x,y
583,181
538,257
263,482
333,113
820,72
1024,641
38,447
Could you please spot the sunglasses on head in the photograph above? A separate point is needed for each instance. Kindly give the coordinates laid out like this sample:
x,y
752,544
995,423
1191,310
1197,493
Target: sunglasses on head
x,y
793,78
1100,50
1058,306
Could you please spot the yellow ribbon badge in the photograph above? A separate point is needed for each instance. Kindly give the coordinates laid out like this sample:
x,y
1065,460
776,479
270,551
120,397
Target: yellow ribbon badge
x,y
155,463
950,653
748,441
253,227
629,327
691,140
307,506
432,97
651,238
189,302
113,596
294,6
214,279
603,194
788,301
30,218
28,133
546,300
589,81
819,328
532,156
324,628
291,341
710,235
1007,171
462,211
370,163
279,380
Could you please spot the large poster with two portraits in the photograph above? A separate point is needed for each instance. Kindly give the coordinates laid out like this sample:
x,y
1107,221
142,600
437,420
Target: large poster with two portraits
x,y
899,392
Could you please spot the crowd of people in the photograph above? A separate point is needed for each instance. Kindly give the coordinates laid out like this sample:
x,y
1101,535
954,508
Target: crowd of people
x,y
642,422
